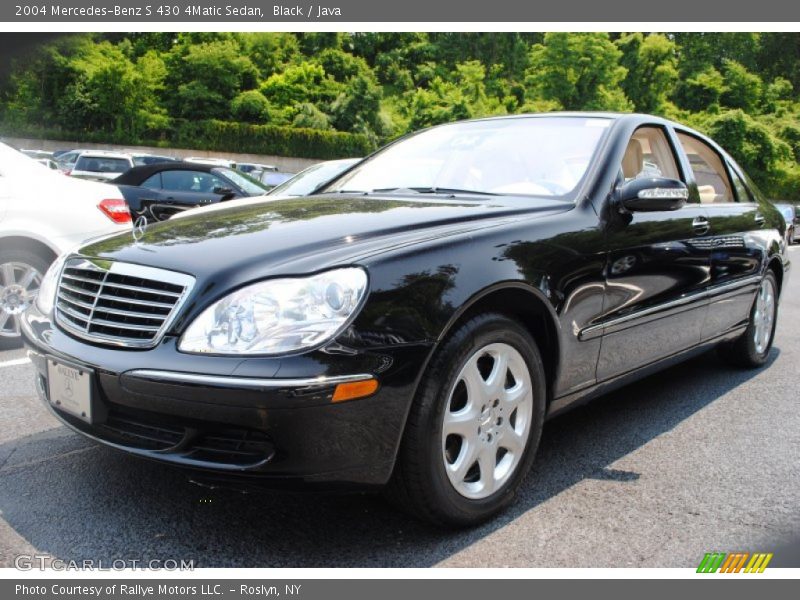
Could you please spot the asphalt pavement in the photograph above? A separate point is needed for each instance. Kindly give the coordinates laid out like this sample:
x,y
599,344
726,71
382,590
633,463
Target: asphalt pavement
x,y
699,458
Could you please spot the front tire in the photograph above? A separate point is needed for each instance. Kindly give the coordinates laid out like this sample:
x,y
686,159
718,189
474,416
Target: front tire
x,y
752,348
475,424
21,274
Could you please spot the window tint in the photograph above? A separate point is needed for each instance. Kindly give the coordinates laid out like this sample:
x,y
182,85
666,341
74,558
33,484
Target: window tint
x,y
153,182
190,181
709,171
649,155
102,164
742,193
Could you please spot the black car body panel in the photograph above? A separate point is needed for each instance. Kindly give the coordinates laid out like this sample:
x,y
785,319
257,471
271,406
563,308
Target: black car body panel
x,y
609,296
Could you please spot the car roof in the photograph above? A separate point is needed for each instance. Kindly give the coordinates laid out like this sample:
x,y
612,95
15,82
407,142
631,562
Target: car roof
x,y
105,154
634,118
138,174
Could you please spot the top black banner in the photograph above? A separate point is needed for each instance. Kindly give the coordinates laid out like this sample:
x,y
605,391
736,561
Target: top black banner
x,y
443,11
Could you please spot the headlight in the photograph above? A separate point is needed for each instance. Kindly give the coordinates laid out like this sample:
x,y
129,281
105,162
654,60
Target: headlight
x,y
278,316
46,297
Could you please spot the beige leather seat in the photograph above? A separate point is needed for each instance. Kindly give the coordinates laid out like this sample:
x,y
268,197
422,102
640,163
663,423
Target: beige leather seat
x,y
633,161
707,194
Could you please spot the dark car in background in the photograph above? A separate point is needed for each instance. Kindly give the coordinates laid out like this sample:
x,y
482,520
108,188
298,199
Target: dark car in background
x,y
160,190
791,214
413,324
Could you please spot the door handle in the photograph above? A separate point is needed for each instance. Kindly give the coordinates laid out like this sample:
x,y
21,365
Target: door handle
x,y
759,219
701,225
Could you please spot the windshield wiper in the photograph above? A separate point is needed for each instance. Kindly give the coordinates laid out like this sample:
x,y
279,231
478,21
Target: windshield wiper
x,y
435,190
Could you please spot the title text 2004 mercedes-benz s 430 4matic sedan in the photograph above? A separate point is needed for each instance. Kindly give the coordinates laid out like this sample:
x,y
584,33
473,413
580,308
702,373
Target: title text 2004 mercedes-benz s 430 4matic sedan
x,y
415,322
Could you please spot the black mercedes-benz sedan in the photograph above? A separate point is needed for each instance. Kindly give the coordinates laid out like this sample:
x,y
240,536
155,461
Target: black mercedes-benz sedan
x,y
413,325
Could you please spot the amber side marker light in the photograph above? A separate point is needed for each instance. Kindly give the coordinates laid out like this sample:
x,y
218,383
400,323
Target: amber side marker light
x,y
354,390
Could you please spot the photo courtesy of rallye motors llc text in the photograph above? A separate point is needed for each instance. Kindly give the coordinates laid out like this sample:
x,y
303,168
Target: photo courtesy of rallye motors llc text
x,y
144,591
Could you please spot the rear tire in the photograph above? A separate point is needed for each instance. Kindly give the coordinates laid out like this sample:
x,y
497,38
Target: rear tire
x,y
21,272
752,348
474,426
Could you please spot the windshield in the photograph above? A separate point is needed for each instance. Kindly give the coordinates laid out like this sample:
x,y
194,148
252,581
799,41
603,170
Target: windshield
x,y
102,164
311,178
248,184
542,156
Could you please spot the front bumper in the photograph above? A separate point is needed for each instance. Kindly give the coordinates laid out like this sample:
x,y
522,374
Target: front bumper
x,y
235,421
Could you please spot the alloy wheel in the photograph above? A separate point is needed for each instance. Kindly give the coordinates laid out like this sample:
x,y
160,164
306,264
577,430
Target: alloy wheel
x,y
764,316
19,284
487,420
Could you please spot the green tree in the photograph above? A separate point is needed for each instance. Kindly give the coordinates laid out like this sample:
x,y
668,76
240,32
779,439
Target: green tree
x,y
207,76
580,71
306,81
270,52
702,91
111,93
651,62
311,117
442,102
357,107
742,89
751,143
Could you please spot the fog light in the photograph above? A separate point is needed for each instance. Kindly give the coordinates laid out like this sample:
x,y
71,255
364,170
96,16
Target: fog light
x,y
354,390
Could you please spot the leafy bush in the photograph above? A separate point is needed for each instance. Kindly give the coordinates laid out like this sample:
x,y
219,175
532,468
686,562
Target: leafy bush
x,y
250,107
219,136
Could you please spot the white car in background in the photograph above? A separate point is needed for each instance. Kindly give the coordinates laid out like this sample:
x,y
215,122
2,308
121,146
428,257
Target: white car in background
x,y
66,160
43,214
101,165
220,162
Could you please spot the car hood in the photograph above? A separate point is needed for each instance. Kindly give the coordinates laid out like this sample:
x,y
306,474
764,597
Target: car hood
x,y
299,235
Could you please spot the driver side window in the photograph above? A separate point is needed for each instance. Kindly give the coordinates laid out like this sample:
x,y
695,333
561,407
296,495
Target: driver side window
x,y
649,155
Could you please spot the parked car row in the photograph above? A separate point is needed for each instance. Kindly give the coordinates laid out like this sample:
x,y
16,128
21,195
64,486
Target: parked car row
x,y
104,165
43,213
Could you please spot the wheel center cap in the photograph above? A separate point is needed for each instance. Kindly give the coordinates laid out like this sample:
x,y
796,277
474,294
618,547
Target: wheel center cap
x,y
12,300
488,425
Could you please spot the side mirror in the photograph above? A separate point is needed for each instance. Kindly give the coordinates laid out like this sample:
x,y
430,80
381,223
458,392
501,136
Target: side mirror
x,y
648,194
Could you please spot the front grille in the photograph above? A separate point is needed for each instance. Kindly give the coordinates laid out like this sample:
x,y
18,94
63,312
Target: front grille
x,y
118,303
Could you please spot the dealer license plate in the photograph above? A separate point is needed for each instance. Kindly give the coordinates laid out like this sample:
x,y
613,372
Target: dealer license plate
x,y
70,389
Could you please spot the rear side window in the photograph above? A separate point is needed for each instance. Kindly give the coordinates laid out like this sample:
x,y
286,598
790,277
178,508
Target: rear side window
x,y
190,181
713,183
742,192
153,182
102,164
